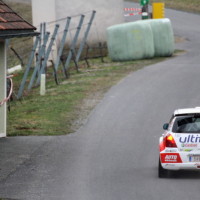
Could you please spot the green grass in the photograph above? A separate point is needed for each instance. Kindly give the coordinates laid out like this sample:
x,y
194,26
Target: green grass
x,y
64,107
184,5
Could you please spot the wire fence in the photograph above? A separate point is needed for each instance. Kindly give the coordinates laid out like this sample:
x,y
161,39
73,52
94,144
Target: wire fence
x,y
61,42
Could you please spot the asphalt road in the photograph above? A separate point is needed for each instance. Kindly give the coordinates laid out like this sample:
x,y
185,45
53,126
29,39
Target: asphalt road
x,y
114,156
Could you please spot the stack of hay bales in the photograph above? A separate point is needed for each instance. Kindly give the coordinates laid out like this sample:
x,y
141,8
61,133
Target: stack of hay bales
x,y
140,40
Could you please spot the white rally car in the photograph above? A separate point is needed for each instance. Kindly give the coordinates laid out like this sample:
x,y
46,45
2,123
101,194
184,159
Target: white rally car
x,y
180,143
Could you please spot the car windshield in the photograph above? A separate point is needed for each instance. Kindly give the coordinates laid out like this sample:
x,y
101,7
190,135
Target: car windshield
x,y
187,124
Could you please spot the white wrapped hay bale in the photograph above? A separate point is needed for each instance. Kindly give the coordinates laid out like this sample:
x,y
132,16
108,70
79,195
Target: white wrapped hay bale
x,y
141,39
163,36
130,41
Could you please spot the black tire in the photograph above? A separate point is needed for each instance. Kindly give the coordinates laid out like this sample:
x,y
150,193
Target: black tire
x,y
172,174
162,173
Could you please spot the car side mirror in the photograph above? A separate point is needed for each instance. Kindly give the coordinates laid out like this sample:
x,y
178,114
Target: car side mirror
x,y
166,126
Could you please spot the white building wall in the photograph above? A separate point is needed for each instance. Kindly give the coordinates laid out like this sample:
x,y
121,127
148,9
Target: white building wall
x,y
43,11
109,12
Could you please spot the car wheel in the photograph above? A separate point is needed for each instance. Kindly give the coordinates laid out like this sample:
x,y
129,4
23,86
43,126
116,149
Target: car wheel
x,y
162,173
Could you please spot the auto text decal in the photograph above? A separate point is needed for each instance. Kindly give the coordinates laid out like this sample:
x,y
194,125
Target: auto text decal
x,y
170,158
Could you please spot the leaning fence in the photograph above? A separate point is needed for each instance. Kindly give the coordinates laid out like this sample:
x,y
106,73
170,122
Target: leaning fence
x,y
57,49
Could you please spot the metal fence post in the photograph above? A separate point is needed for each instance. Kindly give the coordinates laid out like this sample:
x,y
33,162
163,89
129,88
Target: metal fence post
x,y
85,36
44,31
41,53
41,36
22,85
62,43
73,44
44,63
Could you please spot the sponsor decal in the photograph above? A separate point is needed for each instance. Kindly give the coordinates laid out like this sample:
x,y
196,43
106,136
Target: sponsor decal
x,y
189,139
170,150
186,150
189,145
170,158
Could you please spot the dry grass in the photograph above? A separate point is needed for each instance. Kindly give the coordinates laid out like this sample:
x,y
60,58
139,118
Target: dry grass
x,y
22,9
63,109
184,5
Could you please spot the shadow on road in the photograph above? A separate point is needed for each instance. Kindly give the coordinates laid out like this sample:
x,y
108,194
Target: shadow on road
x,y
185,175
182,174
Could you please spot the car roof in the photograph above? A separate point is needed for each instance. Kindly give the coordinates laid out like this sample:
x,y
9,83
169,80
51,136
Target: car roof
x,y
187,111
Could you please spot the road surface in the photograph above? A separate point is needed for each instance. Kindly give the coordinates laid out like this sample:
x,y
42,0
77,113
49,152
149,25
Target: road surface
x,y
114,156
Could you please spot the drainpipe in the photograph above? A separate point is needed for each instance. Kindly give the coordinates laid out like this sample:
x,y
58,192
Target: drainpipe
x,y
3,66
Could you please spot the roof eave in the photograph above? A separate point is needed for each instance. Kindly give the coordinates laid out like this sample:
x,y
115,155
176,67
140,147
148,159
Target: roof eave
x,y
18,34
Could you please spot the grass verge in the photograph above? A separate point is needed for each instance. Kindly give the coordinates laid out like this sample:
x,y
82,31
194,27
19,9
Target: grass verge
x,y
64,107
184,5
23,9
